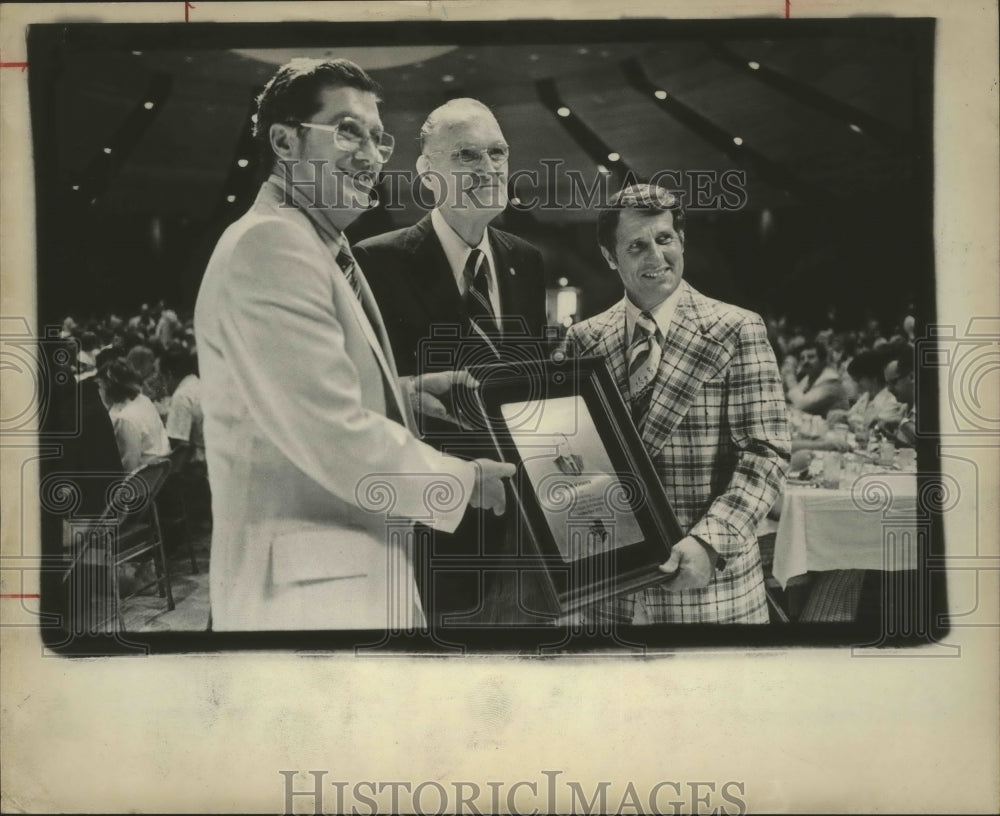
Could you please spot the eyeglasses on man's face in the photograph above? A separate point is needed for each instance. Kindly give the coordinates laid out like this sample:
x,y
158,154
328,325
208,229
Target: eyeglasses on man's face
x,y
471,155
349,134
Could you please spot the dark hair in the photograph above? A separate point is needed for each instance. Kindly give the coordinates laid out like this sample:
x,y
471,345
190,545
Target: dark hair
x,y
901,354
177,362
821,350
867,364
107,355
647,199
120,382
292,94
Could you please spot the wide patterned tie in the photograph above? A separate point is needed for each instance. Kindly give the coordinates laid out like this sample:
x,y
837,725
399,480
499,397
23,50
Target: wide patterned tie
x,y
347,264
477,292
643,363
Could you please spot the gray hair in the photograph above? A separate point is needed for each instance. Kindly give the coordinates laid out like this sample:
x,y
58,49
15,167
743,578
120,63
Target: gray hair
x,y
454,110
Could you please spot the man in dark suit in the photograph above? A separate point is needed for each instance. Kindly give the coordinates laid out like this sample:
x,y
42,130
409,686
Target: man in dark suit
x,y
455,292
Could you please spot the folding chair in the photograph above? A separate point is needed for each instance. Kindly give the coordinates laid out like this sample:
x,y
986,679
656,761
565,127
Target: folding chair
x,y
128,529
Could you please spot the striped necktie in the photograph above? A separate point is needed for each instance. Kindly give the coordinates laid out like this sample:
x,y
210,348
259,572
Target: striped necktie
x,y
477,292
643,363
347,264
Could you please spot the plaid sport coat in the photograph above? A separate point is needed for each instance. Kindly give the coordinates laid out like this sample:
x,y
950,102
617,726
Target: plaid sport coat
x,y
718,437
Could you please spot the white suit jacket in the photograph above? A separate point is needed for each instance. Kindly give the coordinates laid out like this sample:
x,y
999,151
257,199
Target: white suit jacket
x,y
312,485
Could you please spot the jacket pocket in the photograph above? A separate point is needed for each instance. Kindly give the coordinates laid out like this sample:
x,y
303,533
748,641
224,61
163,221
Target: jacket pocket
x,y
322,553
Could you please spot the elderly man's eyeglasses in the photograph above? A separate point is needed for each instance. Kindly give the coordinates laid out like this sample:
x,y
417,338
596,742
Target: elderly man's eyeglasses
x,y
497,154
350,135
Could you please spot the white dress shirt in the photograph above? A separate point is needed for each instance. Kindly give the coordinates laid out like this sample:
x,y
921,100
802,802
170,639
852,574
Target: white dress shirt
x,y
662,314
457,252
139,432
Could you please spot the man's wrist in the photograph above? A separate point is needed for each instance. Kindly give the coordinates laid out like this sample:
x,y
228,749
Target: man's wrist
x,y
717,560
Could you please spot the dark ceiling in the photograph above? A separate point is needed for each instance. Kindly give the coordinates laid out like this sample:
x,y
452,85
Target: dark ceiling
x,y
143,153
830,116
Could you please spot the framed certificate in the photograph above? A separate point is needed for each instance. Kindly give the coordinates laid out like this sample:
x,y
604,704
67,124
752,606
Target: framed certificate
x,y
596,517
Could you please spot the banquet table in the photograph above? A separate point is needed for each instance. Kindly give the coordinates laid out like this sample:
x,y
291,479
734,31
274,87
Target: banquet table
x,y
872,524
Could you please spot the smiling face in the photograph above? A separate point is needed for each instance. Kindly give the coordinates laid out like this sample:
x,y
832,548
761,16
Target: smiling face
x,y
348,175
458,166
648,256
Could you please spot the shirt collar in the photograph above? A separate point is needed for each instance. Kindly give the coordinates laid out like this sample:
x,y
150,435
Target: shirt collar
x,y
318,216
662,313
457,251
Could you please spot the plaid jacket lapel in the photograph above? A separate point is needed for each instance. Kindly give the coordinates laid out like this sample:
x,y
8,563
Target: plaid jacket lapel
x,y
690,357
606,339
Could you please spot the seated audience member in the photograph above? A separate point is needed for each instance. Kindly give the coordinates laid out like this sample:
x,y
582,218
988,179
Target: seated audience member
x,y
790,361
143,362
184,421
900,421
818,389
874,400
185,432
168,328
139,430
89,347
141,321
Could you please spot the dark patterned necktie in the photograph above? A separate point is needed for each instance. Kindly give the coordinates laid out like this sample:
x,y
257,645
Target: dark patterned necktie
x,y
347,264
477,292
643,363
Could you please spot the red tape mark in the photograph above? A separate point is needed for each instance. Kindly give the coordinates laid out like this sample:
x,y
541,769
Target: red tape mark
x,y
187,7
20,596
22,65
788,9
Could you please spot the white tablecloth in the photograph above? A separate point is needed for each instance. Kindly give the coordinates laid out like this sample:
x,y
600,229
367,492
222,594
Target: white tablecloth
x,y
873,525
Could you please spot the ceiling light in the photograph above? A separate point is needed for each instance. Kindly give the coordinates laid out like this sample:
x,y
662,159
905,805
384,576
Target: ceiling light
x,y
242,162
149,105
230,198
583,51
76,186
563,111
660,94
447,78
856,128
754,65
737,141
137,53
533,57
107,150
564,281
613,157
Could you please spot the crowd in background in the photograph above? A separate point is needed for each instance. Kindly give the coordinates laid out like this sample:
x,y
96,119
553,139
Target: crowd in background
x,y
144,368
859,379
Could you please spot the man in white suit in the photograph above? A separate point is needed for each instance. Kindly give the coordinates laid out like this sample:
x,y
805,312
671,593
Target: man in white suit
x,y
310,454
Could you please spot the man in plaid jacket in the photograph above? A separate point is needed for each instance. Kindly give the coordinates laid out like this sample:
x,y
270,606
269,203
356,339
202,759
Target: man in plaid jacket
x,y
705,393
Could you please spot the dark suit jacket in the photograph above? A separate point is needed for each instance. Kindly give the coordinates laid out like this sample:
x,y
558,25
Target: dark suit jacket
x,y
409,274
429,330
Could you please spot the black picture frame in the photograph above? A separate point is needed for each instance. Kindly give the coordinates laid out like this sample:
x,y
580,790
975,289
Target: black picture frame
x,y
600,524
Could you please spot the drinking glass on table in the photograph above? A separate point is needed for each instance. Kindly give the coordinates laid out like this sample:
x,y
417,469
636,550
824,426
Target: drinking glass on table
x,y
886,453
831,470
851,466
906,460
